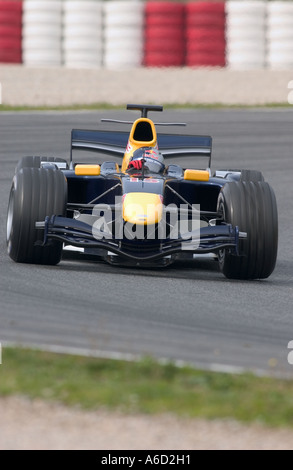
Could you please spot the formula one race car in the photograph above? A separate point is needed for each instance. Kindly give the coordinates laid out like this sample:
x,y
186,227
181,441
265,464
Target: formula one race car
x,y
143,212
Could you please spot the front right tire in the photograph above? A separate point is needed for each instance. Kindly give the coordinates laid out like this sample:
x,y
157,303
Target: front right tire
x,y
250,205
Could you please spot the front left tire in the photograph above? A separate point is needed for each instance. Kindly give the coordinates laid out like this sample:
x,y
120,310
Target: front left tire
x,y
35,193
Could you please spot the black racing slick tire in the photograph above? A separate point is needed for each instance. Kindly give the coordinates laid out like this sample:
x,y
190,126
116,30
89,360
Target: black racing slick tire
x,y
252,207
244,175
251,175
30,161
35,193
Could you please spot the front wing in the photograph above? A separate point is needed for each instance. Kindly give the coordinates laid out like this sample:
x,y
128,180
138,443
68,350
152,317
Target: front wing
x,y
77,233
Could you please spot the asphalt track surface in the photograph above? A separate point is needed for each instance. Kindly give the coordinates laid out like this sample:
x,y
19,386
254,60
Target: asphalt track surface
x,y
189,312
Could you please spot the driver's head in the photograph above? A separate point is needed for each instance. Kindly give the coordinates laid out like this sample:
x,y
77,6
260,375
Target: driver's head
x,y
153,159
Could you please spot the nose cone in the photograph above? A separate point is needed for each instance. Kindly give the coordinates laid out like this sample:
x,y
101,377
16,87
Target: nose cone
x,y
142,208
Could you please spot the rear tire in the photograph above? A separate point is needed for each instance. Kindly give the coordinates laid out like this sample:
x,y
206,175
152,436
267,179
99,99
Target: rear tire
x,y
35,162
251,175
252,207
35,193
244,175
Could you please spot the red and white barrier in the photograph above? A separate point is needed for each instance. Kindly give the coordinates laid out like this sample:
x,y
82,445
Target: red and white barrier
x,y
10,31
245,34
42,32
123,34
164,43
279,35
205,34
82,27
237,34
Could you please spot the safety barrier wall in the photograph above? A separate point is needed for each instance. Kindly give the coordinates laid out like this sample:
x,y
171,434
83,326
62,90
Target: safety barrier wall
x,y
235,34
205,34
164,34
82,25
10,31
246,34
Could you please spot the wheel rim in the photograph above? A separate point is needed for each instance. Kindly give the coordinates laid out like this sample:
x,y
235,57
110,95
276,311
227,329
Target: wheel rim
x,y
221,253
10,215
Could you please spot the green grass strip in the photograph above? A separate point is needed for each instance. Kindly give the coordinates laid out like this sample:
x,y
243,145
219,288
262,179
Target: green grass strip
x,y
145,387
106,106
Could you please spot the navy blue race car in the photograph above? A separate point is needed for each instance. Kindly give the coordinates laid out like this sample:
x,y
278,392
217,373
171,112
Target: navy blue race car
x,y
142,211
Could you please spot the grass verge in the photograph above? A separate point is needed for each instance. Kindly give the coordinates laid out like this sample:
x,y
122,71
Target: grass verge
x,y
106,106
145,387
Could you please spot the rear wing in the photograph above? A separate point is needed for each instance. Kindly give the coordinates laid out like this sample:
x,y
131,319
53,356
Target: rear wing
x,y
115,143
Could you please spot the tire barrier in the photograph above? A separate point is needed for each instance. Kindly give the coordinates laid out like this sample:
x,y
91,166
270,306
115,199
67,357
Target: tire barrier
x,y
42,32
245,34
123,34
82,26
10,31
205,34
279,35
164,40
237,34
